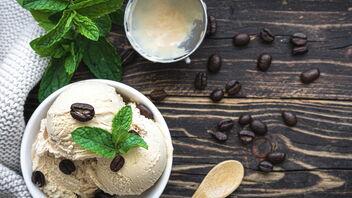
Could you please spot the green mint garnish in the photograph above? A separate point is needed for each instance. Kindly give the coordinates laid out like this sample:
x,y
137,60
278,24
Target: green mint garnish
x,y
108,145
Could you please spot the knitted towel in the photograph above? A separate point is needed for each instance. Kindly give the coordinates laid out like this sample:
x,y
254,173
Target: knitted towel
x,y
20,70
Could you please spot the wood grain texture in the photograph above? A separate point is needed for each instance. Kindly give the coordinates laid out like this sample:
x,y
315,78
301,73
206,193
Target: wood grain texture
x,y
319,148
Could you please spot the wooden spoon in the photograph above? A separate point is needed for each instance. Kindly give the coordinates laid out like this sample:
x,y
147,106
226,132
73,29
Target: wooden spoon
x,y
221,181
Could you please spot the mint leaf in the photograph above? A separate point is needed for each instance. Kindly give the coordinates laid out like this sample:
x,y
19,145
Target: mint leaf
x,y
86,27
117,17
96,8
47,5
121,124
45,44
73,59
96,140
133,141
43,19
104,25
102,60
53,79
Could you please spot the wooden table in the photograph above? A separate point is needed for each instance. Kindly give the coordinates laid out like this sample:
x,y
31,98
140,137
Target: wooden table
x,y
319,148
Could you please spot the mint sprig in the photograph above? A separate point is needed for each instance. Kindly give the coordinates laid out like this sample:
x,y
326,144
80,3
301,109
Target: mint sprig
x,y
76,31
108,145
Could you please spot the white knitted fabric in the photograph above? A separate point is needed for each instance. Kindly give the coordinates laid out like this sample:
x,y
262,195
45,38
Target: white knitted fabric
x,y
20,70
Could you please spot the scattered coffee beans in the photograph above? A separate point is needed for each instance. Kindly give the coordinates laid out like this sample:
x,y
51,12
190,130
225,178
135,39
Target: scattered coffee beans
x,y
201,81
233,87
310,76
158,95
245,119
211,28
214,63
101,194
265,166
225,125
289,118
67,167
145,111
246,136
299,50
276,157
219,136
264,62
299,39
266,35
258,127
117,163
217,95
241,39
82,112
38,178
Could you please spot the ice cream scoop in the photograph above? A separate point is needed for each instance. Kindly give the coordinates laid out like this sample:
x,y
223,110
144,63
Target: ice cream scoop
x,y
221,181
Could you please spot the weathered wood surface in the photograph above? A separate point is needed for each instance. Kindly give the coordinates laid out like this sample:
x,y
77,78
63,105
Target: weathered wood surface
x,y
319,148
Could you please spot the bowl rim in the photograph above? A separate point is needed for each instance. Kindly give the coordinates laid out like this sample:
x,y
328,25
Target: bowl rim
x,y
26,145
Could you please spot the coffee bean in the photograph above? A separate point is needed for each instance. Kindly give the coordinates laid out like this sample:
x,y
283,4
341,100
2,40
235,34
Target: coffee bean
x,y
212,26
101,194
233,87
265,166
264,62
201,81
217,95
225,125
158,95
276,157
145,111
300,50
290,119
219,136
67,166
82,112
117,163
266,35
310,76
299,39
38,178
258,127
246,136
245,119
241,39
214,63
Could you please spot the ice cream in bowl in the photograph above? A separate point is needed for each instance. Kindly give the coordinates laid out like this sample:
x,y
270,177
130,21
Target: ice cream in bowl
x,y
96,138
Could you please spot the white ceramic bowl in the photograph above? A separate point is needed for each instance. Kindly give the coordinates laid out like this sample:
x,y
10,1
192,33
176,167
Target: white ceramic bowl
x,y
33,126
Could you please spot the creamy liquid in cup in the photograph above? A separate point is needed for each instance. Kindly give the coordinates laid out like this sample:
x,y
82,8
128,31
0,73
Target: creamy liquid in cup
x,y
165,28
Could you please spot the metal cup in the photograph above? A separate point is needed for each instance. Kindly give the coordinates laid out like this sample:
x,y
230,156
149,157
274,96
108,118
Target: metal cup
x,y
190,45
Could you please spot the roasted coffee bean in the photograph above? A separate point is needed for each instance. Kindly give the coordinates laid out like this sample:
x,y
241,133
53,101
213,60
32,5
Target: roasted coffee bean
x,y
299,50
233,87
299,39
289,118
310,76
101,194
266,35
264,62
145,111
201,81
258,127
117,163
276,157
67,167
217,95
214,63
219,136
245,119
212,26
265,166
241,39
246,136
38,178
158,95
225,125
82,112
